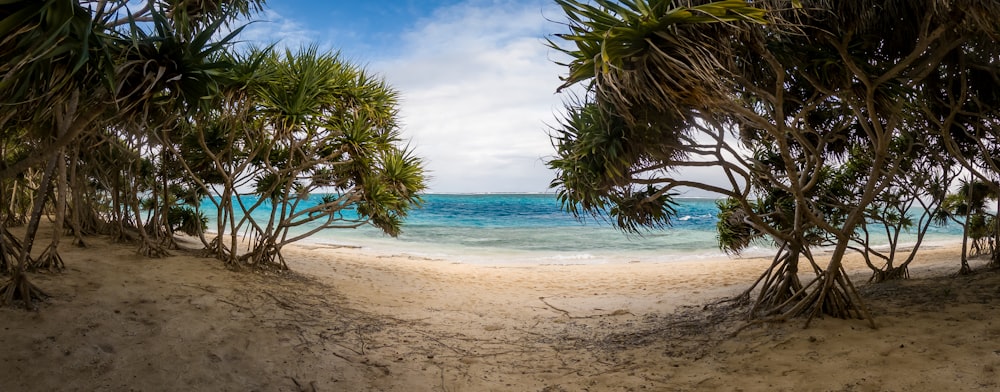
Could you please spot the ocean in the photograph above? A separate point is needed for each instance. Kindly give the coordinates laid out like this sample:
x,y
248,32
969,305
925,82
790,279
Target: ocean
x,y
531,228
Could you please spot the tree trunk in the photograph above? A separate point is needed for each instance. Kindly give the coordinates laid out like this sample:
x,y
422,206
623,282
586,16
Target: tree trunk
x,y
994,255
891,273
10,250
265,257
50,259
165,229
830,292
779,284
147,247
837,296
77,200
18,287
965,269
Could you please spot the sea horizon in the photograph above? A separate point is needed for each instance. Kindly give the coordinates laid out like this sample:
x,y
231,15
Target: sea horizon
x,y
519,228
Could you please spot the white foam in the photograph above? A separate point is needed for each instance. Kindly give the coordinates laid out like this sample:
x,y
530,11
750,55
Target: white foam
x,y
582,256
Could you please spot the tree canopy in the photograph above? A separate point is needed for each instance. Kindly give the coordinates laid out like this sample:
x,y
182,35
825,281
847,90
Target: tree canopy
x,y
823,117
123,118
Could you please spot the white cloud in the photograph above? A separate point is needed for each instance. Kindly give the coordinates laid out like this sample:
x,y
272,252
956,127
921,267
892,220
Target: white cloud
x,y
478,88
271,27
477,85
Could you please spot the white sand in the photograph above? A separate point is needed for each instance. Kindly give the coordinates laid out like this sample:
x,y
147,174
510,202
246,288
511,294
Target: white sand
x,y
347,320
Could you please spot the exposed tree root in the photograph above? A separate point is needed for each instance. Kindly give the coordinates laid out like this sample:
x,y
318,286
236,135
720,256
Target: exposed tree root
x,y
7,262
49,260
123,235
152,250
836,296
825,295
204,241
737,301
15,220
91,222
216,248
160,235
965,269
169,242
893,273
18,288
310,387
264,258
10,250
779,284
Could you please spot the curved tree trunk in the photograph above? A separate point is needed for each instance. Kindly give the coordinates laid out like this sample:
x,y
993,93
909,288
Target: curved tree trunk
x,y
10,250
779,284
77,209
891,273
265,256
10,247
119,211
147,246
50,259
837,296
995,239
18,288
903,270
163,227
965,269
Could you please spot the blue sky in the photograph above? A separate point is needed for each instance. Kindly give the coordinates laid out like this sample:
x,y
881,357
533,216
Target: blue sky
x,y
476,79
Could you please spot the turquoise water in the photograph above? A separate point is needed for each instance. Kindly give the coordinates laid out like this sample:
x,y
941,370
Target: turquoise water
x,y
531,228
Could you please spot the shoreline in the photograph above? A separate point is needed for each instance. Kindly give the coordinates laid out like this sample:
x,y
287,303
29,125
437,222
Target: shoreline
x,y
529,229
346,319
498,256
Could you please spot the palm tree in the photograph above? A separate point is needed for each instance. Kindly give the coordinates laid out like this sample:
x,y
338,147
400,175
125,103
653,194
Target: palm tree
x,y
43,42
676,88
656,86
60,56
291,125
969,203
332,128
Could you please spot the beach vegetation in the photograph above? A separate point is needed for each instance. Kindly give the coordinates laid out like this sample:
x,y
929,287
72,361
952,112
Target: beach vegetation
x,y
907,205
826,120
313,139
967,207
119,117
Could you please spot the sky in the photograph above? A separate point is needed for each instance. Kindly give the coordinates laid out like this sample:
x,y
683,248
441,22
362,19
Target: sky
x,y
476,79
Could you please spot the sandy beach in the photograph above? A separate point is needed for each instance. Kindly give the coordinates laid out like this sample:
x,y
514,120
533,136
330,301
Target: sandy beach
x,y
352,320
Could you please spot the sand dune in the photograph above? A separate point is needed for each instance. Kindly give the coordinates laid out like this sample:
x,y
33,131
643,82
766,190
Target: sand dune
x,y
353,320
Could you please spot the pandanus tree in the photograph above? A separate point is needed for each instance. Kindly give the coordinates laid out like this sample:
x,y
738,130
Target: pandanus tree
x,y
69,70
189,73
771,95
908,204
651,105
962,99
302,142
911,204
967,207
45,57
